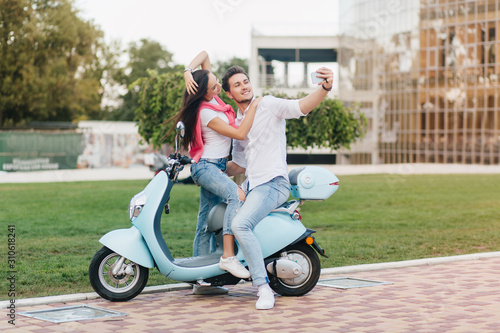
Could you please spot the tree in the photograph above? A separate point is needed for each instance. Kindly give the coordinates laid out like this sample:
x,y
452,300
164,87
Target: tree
x,y
331,124
220,67
148,55
159,98
143,56
49,66
15,51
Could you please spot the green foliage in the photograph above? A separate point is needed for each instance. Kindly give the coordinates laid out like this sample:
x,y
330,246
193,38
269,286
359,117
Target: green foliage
x,y
220,67
143,56
50,62
148,54
160,98
330,125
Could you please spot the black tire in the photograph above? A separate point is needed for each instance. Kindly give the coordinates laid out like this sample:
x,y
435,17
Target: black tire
x,y
306,257
116,288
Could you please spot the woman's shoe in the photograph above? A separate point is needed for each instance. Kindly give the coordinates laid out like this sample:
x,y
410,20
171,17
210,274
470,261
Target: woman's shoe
x,y
234,266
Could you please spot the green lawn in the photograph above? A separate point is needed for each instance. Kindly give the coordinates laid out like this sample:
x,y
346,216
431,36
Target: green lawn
x,y
372,218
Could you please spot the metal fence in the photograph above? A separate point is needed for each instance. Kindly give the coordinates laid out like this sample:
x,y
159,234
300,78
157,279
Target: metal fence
x,y
30,151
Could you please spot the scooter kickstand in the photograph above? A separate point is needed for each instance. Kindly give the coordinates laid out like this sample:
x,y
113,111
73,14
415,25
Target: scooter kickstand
x,y
203,283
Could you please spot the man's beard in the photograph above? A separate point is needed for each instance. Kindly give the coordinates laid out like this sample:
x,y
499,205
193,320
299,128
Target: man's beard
x,y
246,100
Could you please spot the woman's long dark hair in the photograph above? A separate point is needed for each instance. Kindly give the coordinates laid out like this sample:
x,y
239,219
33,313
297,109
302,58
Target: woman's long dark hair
x,y
190,104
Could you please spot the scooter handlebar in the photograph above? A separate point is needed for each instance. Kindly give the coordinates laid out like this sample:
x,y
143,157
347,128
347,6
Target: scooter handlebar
x,y
182,160
186,160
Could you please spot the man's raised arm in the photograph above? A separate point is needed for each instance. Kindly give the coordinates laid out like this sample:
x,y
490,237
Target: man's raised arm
x,y
308,103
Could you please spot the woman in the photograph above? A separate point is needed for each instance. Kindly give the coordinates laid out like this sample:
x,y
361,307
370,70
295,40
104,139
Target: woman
x,y
209,130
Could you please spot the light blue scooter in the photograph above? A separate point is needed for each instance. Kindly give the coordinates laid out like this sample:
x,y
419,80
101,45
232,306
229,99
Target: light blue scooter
x,y
119,270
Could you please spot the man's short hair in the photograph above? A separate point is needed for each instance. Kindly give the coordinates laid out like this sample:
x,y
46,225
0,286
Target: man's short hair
x,y
229,73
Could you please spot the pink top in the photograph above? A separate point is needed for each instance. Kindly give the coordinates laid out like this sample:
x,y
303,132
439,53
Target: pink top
x,y
196,147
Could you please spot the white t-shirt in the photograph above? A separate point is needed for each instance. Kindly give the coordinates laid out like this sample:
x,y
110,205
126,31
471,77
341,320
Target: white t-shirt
x,y
215,145
263,151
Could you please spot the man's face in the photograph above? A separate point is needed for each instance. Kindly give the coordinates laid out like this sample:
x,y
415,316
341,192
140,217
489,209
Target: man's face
x,y
240,88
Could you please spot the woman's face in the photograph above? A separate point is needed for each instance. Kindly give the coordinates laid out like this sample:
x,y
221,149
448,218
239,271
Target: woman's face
x,y
213,87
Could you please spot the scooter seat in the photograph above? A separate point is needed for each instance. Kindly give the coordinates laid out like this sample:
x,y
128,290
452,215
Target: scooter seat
x,y
215,217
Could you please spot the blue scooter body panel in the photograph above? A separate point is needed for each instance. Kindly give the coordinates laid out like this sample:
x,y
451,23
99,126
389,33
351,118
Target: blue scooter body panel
x,y
156,187
152,211
276,231
130,244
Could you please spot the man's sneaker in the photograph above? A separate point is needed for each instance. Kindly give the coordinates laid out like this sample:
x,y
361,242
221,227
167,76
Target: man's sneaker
x,y
209,290
234,266
266,300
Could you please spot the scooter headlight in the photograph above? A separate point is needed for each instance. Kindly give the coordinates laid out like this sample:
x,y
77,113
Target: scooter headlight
x,y
136,204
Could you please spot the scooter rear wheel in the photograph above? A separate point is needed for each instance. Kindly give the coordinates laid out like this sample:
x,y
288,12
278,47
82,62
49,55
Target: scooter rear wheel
x,y
120,287
308,259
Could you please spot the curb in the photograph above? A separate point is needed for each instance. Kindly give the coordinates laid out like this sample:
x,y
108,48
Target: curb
x,y
409,263
326,271
25,302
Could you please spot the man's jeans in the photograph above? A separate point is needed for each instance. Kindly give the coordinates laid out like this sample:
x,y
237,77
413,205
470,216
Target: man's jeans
x,y
260,201
215,186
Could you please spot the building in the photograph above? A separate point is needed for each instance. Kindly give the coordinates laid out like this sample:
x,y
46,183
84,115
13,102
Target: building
x,y
108,144
424,71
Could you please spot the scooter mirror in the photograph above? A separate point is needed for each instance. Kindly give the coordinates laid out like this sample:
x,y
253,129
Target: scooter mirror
x,y
180,129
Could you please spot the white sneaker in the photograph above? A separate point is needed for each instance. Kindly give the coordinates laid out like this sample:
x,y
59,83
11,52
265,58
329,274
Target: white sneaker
x,y
266,300
234,266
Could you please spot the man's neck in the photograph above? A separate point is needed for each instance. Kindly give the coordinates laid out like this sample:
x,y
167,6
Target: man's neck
x,y
244,106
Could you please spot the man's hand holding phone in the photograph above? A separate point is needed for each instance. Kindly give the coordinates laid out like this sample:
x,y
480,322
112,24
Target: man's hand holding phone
x,y
323,76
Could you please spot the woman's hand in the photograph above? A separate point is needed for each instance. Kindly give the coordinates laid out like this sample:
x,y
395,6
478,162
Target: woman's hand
x,y
191,85
256,102
240,133
201,59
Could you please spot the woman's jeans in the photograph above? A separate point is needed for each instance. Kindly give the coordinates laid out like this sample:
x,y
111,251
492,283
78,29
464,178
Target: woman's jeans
x,y
215,186
260,201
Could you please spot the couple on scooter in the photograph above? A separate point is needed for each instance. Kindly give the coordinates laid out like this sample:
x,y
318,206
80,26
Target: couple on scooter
x,y
259,151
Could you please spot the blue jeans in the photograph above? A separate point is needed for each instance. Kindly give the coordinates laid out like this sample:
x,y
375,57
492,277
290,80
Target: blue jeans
x,y
260,201
215,187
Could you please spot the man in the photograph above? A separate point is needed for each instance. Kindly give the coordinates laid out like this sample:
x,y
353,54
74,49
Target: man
x,y
262,156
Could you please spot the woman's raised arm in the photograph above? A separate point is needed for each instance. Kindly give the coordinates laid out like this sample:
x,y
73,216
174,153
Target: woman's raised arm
x,y
201,59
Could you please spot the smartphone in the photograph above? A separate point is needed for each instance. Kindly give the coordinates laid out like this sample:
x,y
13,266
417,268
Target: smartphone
x,y
315,79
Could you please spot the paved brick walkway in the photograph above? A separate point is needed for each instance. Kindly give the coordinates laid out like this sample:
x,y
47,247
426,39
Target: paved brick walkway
x,y
454,297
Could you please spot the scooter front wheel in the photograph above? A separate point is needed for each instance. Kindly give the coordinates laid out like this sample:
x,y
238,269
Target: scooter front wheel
x,y
308,259
127,282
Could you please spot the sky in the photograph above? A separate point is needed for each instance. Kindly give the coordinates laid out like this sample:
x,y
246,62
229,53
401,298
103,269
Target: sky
x,y
223,28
